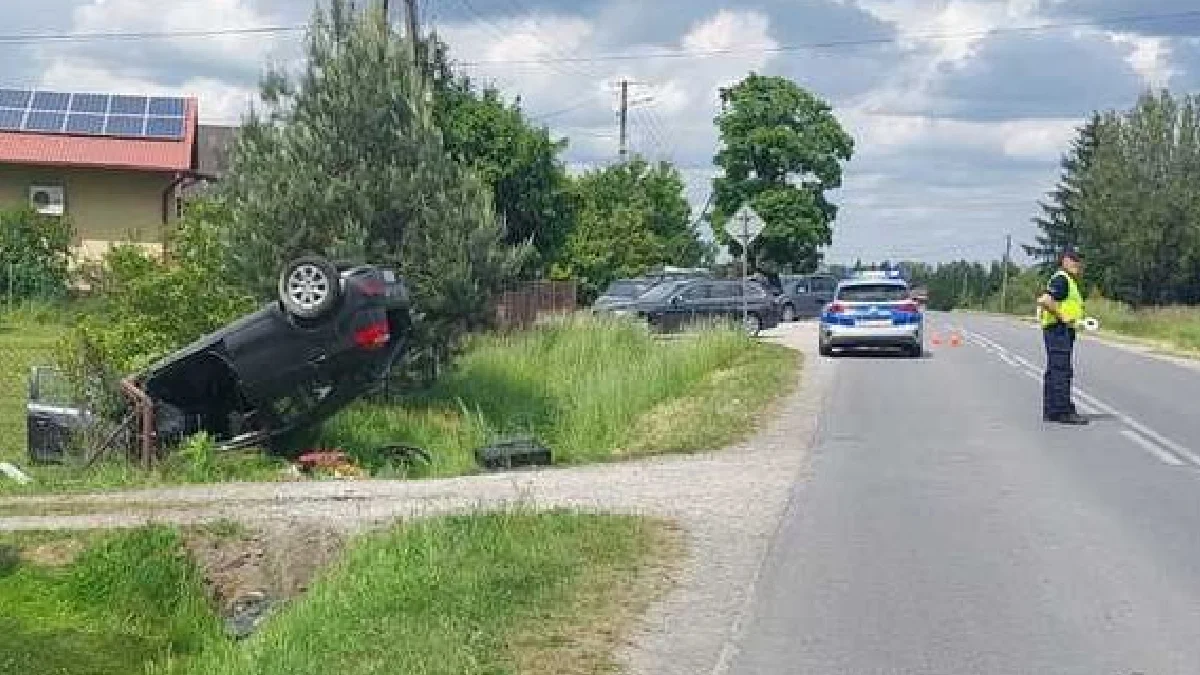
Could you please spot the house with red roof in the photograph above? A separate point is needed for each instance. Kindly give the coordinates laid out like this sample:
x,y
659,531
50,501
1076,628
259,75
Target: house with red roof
x,y
115,165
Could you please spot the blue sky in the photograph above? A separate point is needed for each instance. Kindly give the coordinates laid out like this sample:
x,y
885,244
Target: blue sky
x,y
959,109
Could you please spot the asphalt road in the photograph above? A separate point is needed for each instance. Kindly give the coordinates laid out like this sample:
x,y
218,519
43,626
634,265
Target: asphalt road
x,y
944,529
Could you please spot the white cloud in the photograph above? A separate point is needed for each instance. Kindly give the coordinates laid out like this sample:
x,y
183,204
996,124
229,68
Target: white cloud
x,y
101,16
889,135
1150,58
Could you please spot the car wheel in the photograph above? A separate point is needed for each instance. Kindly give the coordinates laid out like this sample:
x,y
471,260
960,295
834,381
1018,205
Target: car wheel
x,y
309,287
824,349
752,324
916,351
788,314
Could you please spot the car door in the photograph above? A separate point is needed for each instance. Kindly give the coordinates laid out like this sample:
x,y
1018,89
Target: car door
x,y
821,290
805,298
688,305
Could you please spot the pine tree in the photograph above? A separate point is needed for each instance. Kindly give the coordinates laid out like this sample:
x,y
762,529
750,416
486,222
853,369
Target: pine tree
x,y
1060,219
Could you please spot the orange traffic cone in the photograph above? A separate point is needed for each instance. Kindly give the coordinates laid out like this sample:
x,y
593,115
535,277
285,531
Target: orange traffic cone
x,y
955,339
935,339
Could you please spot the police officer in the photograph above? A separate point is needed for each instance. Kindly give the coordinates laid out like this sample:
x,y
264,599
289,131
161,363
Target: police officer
x,y
1061,314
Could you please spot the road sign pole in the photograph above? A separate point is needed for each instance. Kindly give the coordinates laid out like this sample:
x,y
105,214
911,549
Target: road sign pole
x,y
750,225
745,258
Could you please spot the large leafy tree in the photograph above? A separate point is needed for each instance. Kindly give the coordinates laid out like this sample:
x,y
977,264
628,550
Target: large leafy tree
x,y
782,149
348,161
1139,206
1059,221
516,159
631,216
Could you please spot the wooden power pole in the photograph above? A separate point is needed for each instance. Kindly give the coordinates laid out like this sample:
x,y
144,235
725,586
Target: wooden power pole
x,y
624,117
1004,283
410,17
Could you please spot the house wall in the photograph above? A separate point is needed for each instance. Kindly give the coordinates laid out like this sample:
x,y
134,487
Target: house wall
x,y
103,205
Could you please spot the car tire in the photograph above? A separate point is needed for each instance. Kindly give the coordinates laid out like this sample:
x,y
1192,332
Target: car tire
x,y
824,349
787,314
309,287
916,351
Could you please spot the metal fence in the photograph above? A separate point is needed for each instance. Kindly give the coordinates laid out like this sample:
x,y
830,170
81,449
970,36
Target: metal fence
x,y
524,304
19,287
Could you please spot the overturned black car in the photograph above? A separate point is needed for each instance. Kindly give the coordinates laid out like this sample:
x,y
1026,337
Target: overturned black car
x,y
331,336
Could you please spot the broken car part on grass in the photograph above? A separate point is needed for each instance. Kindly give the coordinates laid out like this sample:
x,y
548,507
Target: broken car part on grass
x,y
331,336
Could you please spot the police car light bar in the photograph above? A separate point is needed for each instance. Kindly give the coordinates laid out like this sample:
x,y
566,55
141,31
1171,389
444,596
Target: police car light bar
x,y
879,274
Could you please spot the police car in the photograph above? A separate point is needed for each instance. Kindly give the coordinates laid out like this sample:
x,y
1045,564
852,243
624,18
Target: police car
x,y
873,309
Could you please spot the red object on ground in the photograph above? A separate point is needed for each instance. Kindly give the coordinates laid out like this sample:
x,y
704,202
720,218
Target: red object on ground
x,y
325,458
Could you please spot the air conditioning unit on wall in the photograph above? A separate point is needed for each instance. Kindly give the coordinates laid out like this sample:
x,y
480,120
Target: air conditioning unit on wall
x,y
48,200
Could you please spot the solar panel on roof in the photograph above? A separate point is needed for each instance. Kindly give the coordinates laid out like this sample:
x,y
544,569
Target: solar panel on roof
x,y
10,118
50,100
45,120
90,103
14,98
128,105
166,127
172,107
84,123
159,117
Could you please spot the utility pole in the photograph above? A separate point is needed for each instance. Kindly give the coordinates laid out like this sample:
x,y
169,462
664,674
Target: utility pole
x,y
624,116
1004,283
410,15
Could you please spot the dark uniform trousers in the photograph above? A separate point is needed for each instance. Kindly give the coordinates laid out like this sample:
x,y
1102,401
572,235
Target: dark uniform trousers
x,y
1056,385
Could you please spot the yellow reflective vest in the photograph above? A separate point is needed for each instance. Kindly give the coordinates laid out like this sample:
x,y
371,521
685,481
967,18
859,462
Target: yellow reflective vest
x,y
1071,308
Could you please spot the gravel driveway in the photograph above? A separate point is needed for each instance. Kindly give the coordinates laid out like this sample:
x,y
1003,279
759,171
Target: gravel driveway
x,y
730,503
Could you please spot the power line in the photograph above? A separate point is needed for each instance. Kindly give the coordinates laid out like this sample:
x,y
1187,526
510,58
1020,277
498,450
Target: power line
x,y
30,38
834,44
588,100
33,38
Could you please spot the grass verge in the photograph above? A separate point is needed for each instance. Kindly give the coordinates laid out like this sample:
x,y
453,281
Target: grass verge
x,y
1170,329
509,592
591,389
1176,329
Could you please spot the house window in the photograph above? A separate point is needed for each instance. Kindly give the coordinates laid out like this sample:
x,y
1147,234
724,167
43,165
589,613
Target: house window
x,y
48,200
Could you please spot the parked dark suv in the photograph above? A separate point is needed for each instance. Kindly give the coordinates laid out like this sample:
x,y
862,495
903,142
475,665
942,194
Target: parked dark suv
x,y
674,304
331,335
804,296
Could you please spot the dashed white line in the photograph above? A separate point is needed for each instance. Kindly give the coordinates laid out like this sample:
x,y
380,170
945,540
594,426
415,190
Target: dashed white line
x,y
1162,455
1141,434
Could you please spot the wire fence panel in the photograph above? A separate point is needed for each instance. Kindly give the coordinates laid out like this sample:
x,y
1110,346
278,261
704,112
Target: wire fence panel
x,y
523,305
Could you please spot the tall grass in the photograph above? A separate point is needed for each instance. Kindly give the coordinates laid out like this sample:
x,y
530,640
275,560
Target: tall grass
x,y
458,596
1177,326
128,600
583,386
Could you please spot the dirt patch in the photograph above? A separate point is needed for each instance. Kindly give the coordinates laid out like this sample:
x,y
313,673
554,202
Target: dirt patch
x,y
263,567
54,553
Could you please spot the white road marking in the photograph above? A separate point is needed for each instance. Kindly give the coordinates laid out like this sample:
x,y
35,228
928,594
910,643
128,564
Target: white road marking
x,y
1162,455
1092,405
